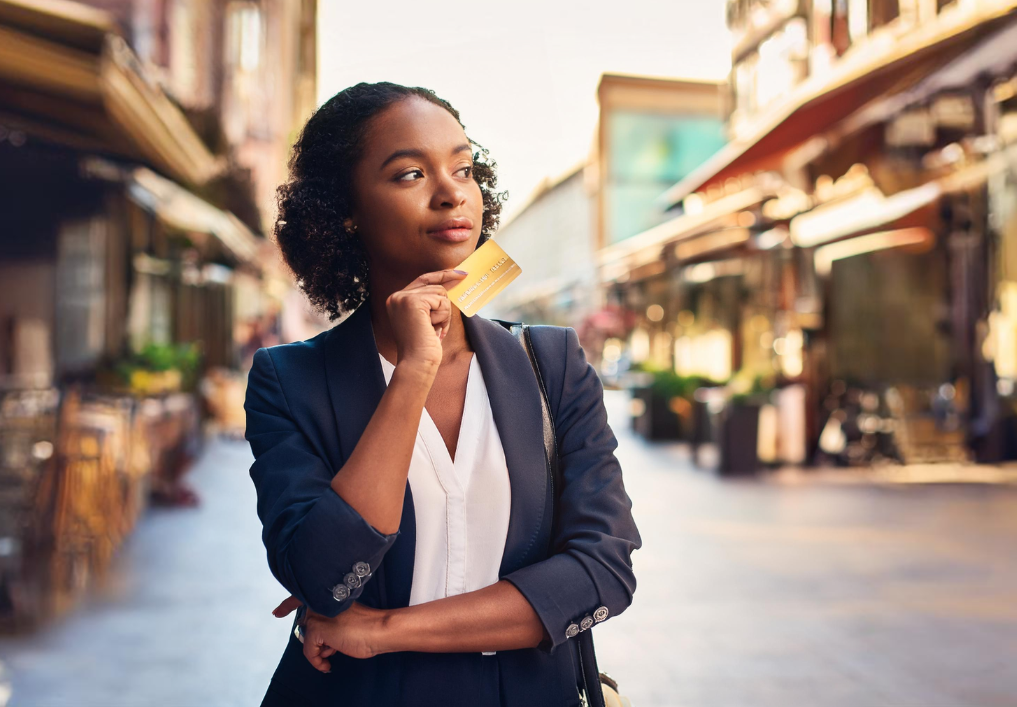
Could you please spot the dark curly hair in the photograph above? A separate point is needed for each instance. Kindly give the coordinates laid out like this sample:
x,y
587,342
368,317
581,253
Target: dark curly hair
x,y
328,261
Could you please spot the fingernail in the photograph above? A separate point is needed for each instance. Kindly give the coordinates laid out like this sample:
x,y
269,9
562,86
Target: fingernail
x,y
461,272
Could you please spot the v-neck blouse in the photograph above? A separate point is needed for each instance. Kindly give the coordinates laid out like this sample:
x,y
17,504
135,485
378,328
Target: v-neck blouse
x,y
462,506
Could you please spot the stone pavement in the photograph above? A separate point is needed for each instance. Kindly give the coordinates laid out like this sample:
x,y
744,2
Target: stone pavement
x,y
751,594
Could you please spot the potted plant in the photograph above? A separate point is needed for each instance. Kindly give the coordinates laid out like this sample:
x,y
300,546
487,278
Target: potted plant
x,y
738,428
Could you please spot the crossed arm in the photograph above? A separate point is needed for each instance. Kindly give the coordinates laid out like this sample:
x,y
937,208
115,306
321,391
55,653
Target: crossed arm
x,y
301,505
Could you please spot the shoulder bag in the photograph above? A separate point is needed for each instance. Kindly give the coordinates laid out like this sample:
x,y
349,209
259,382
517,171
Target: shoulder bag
x,y
599,689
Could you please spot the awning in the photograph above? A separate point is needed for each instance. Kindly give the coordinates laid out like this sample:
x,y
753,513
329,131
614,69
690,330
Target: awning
x,y
181,210
993,56
645,247
885,67
870,210
67,76
865,211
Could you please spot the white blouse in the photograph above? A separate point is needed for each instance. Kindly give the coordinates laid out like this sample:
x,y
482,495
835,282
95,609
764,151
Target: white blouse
x,y
461,506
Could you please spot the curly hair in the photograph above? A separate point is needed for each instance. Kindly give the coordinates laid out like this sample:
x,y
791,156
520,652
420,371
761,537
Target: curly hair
x,y
328,261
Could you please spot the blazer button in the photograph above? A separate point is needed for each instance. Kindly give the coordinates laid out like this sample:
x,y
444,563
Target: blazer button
x,y
361,569
352,580
572,631
340,592
585,623
600,614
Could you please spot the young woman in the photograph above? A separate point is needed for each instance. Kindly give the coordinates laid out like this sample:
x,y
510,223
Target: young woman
x,y
399,459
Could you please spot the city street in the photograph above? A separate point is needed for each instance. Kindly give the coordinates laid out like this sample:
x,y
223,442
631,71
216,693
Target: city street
x,y
750,593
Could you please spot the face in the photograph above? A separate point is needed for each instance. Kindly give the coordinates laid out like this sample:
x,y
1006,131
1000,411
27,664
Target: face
x,y
417,207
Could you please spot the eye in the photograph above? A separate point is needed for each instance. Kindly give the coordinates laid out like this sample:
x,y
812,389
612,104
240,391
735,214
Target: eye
x,y
468,169
402,177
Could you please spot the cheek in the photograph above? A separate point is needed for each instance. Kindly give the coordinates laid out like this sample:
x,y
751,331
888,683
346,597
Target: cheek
x,y
392,213
477,198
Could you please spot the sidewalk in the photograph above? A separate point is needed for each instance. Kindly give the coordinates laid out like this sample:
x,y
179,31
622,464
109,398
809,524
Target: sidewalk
x,y
184,620
750,594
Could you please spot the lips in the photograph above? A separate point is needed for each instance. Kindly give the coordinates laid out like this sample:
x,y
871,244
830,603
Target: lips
x,y
455,230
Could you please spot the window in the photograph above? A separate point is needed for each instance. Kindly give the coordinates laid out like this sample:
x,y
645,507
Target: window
x,y
883,12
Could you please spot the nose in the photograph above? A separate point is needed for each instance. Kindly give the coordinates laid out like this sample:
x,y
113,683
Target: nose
x,y
448,193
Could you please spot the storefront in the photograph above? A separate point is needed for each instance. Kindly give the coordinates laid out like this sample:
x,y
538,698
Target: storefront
x,y
109,274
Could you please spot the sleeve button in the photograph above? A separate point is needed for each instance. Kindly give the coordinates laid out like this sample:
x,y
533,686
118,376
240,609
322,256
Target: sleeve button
x,y
340,592
585,623
361,569
352,580
600,614
572,631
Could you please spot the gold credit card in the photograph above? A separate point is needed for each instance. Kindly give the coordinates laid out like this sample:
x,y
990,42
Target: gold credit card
x,y
490,270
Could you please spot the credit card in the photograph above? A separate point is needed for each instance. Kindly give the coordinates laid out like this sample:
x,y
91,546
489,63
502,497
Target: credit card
x,y
490,270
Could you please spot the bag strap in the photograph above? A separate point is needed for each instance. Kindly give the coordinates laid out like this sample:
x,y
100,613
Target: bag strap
x,y
587,657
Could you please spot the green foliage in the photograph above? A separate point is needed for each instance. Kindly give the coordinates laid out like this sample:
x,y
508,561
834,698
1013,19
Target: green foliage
x,y
669,384
756,391
162,357
184,358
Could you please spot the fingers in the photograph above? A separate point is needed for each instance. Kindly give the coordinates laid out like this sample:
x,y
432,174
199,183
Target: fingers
x,y
288,606
314,649
437,277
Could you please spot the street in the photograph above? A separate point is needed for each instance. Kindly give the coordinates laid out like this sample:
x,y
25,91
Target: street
x,y
750,593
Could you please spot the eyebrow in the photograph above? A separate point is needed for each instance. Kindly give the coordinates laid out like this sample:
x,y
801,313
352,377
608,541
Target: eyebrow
x,y
465,147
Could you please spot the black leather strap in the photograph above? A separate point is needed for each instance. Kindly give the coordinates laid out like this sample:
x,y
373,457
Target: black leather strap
x,y
587,656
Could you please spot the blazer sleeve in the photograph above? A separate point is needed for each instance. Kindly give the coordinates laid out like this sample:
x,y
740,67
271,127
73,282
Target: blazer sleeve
x,y
315,540
592,568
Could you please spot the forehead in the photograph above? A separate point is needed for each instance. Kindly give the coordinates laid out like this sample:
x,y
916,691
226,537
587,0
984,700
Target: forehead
x,y
412,123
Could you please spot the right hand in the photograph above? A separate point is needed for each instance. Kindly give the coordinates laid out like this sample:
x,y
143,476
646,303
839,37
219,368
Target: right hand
x,y
421,315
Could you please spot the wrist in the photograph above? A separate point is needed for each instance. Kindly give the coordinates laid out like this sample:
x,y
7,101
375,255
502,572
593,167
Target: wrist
x,y
415,372
385,633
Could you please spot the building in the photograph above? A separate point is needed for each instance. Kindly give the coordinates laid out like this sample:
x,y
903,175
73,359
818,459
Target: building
x,y
137,189
846,230
651,132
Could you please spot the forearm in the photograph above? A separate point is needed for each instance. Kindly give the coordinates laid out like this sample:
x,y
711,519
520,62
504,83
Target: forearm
x,y
496,618
373,479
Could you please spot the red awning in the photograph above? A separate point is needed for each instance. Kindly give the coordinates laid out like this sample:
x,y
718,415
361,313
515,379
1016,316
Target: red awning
x,y
882,68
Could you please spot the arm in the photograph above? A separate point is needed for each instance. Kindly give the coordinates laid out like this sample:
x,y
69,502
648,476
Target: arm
x,y
592,566
304,508
535,605
495,618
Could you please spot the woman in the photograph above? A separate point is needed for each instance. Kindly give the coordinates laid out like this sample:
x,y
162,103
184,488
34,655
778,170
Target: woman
x,y
399,459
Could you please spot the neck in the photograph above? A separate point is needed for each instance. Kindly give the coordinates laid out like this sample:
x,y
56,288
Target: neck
x,y
454,343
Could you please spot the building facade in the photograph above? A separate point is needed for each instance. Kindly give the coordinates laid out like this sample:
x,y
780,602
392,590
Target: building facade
x,y
850,223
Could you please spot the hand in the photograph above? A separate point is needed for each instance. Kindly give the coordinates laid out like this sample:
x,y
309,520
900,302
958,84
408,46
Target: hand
x,y
421,315
354,632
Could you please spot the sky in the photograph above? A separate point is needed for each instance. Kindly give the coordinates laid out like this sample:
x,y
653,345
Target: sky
x,y
522,74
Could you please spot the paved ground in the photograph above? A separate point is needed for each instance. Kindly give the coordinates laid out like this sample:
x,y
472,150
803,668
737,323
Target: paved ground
x,y
750,594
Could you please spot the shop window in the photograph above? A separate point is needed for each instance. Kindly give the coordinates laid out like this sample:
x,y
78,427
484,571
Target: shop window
x,y
244,43
782,62
883,12
248,73
858,19
81,294
840,35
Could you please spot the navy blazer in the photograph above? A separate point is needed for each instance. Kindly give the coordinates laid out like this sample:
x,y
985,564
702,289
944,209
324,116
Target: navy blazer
x,y
308,404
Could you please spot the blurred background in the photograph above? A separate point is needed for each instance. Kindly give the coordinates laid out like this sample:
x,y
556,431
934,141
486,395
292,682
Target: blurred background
x,y
785,231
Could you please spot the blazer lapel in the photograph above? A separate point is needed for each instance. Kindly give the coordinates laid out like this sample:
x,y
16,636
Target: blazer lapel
x,y
356,383
515,404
